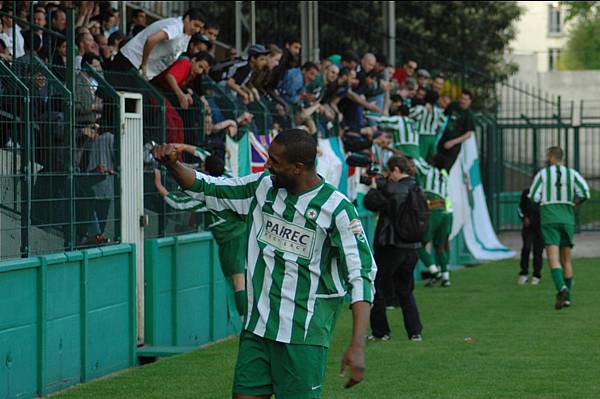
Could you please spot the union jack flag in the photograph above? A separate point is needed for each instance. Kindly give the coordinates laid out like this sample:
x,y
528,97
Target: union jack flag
x,y
259,144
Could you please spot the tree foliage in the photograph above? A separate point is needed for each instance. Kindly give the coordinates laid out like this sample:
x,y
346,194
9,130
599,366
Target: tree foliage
x,y
583,48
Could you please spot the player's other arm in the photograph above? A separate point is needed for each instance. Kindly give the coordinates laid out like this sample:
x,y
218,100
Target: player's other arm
x,y
582,190
358,271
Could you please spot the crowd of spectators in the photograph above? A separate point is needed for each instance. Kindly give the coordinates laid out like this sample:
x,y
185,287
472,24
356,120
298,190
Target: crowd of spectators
x,y
178,56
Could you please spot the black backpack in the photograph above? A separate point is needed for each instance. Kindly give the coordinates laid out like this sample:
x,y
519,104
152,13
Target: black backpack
x,y
410,222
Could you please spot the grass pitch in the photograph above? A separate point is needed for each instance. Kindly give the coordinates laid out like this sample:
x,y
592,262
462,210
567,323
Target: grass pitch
x,y
519,347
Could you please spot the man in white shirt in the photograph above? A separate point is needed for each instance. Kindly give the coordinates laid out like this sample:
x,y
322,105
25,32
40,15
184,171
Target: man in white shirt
x,y
159,45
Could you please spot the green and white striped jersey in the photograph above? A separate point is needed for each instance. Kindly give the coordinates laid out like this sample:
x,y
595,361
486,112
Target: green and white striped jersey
x,y
428,122
401,127
432,180
555,187
305,252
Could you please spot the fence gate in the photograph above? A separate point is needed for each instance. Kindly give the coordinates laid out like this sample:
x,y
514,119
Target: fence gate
x,y
513,146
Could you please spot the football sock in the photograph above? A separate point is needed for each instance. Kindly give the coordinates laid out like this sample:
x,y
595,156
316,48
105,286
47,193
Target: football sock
x,y
442,260
569,284
425,257
446,276
433,269
241,302
557,277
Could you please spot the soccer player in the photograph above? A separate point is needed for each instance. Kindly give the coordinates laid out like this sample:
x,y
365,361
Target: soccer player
x,y
433,179
405,138
306,250
429,120
227,228
559,190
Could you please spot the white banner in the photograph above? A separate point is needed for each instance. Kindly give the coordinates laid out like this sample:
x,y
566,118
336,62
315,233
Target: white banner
x,y
470,208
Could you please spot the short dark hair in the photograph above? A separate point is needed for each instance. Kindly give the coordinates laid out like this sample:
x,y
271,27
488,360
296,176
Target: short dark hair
x,y
115,37
135,13
556,152
195,14
400,162
439,76
204,56
291,39
350,56
344,71
212,24
468,93
300,147
308,65
106,15
214,165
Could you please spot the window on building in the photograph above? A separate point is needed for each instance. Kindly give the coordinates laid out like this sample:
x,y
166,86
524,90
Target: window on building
x,y
553,55
555,22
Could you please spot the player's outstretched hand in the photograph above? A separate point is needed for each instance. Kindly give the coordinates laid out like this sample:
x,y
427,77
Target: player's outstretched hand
x,y
166,154
354,358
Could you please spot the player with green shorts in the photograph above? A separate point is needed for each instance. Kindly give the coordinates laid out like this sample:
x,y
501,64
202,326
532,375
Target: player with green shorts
x,y
434,181
306,250
227,228
559,190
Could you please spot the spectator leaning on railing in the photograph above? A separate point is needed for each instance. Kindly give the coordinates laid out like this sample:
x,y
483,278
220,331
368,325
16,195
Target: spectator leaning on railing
x,y
237,74
159,45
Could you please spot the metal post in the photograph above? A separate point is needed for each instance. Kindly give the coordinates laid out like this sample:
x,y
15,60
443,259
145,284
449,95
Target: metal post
x,y
316,49
70,81
252,22
304,31
238,26
123,16
391,14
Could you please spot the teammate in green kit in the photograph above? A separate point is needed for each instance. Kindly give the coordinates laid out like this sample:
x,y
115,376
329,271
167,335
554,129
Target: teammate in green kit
x,y
227,228
429,121
559,190
434,181
306,251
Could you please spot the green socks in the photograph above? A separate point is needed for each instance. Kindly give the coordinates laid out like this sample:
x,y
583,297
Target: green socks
x,y
241,302
442,260
569,284
425,257
557,277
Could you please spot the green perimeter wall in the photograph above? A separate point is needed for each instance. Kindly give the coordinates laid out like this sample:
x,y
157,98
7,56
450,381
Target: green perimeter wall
x,y
188,301
66,318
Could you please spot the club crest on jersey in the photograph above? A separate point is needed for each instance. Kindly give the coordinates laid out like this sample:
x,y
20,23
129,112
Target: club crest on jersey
x,y
311,214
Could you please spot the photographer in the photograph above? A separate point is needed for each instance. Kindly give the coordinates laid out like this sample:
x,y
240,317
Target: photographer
x,y
396,242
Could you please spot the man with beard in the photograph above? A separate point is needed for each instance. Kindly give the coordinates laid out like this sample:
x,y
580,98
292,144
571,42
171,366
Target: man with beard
x,y
306,248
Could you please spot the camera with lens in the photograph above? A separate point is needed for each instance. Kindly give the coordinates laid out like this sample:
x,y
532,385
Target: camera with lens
x,y
361,160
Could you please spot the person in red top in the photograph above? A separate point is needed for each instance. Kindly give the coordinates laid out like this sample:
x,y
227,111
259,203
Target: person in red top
x,y
181,74
175,83
407,71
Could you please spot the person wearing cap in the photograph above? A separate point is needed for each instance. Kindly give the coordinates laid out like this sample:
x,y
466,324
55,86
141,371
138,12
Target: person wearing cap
x,y
199,43
423,76
237,74
155,48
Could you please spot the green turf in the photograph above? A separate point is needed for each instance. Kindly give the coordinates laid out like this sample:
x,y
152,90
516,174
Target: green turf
x,y
521,348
